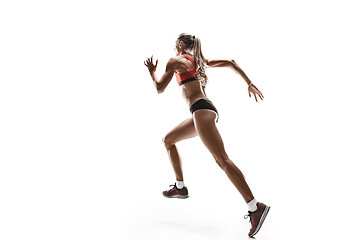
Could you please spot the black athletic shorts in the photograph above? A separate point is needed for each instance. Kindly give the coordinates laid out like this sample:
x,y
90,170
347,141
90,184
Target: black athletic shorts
x,y
204,103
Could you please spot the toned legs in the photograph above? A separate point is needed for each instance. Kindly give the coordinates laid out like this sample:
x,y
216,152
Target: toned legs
x,y
184,130
203,124
204,121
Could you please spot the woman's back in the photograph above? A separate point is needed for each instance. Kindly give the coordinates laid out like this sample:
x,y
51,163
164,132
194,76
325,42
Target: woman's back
x,y
191,90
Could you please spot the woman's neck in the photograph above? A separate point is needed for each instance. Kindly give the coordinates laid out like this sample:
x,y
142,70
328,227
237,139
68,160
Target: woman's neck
x,y
181,53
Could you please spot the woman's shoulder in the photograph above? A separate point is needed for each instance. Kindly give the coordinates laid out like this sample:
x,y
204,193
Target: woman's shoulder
x,y
185,58
176,60
179,61
189,55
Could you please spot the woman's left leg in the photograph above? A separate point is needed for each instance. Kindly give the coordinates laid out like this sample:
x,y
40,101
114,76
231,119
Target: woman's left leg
x,y
204,121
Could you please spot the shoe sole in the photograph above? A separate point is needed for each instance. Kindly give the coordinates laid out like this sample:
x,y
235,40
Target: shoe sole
x,y
177,196
263,216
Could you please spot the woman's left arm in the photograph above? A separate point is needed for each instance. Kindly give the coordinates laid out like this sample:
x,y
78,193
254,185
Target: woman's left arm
x,y
234,66
166,78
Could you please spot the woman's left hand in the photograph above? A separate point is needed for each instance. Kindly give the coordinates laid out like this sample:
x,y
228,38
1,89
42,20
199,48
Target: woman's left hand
x,y
150,65
254,90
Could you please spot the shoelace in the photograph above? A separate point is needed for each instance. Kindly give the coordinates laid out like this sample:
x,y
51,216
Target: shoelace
x,y
172,188
247,216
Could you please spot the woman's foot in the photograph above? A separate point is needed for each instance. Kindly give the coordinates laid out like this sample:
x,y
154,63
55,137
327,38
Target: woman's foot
x,y
176,192
257,218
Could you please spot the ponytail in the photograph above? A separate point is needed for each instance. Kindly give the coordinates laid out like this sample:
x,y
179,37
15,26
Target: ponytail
x,y
199,61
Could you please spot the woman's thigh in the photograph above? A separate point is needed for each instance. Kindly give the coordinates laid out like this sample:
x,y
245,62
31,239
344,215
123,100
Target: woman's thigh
x,y
184,130
205,126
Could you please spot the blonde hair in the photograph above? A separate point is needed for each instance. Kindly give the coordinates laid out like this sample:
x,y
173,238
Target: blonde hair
x,y
193,44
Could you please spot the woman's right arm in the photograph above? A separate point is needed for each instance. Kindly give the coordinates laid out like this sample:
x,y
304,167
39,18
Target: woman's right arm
x,y
230,64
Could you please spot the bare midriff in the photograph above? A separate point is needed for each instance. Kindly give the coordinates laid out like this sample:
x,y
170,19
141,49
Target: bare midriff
x,y
192,91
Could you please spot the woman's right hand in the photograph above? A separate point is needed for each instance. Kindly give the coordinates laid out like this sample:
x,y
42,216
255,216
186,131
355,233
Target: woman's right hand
x,y
150,65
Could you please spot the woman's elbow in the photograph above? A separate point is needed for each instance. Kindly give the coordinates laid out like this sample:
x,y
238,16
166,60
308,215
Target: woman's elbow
x,y
231,63
159,89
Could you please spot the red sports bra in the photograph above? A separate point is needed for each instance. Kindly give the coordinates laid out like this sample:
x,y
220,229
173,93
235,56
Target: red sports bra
x,y
188,76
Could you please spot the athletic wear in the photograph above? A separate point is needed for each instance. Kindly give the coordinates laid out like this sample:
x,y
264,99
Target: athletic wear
x,y
257,218
204,103
188,76
180,184
176,193
252,205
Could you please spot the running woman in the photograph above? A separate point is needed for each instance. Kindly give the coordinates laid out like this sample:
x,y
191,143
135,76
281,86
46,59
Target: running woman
x,y
189,68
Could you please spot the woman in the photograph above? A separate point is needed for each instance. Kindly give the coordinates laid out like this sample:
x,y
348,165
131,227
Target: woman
x,y
189,69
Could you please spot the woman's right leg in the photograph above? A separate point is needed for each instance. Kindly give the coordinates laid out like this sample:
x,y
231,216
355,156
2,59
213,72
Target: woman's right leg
x,y
205,126
184,130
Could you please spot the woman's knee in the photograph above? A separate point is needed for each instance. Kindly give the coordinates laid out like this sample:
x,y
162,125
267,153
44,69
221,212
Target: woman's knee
x,y
168,142
223,161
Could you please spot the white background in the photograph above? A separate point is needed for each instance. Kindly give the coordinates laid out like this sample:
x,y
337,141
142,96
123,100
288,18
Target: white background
x,y
81,124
